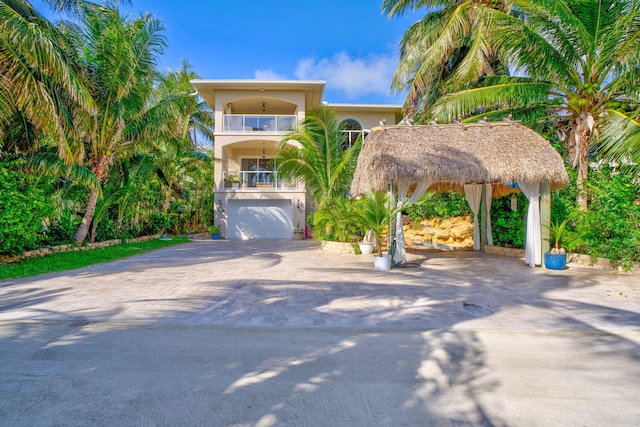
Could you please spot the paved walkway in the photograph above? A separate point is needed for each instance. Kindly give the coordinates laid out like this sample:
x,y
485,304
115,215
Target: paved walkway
x,y
280,333
296,284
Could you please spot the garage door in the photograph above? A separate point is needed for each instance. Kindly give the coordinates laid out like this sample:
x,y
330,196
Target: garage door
x,y
260,219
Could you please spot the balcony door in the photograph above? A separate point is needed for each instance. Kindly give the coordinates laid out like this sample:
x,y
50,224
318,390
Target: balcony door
x,y
259,171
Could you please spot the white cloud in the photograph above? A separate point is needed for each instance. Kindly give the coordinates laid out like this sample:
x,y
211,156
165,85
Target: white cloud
x,y
354,77
267,74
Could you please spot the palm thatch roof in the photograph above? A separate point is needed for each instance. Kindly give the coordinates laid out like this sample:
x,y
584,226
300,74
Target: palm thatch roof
x,y
450,156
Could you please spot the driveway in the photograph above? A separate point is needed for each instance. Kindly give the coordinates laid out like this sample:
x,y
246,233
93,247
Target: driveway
x,y
281,333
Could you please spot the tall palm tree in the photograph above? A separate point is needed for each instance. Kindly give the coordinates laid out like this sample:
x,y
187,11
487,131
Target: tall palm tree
x,y
580,58
193,116
41,83
120,56
321,160
448,48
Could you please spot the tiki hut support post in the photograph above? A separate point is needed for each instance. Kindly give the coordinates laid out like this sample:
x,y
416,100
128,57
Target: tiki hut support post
x,y
483,218
533,244
488,190
392,227
545,216
474,196
400,254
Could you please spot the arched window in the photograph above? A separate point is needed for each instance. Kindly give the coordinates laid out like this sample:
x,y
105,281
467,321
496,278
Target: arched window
x,y
352,130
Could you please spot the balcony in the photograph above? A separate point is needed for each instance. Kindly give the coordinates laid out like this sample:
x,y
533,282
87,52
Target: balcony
x,y
351,136
259,181
246,123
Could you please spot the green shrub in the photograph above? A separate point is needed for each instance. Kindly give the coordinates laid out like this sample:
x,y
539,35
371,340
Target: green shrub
x,y
106,230
157,222
59,232
442,205
23,210
611,227
509,226
129,232
337,220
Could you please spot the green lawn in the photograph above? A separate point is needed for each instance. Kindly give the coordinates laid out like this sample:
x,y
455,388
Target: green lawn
x,y
78,259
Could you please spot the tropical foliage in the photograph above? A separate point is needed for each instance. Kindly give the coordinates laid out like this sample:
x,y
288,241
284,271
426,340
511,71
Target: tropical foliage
x,y
574,62
376,215
316,153
569,68
449,48
92,131
338,219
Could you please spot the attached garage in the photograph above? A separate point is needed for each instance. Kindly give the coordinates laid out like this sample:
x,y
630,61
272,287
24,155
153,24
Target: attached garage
x,y
260,219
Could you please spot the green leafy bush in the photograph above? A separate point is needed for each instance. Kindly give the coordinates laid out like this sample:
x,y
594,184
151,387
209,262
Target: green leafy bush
x,y
157,222
611,227
508,226
106,230
442,205
24,208
337,220
59,232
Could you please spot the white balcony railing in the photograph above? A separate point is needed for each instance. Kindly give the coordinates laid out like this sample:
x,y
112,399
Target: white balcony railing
x,y
259,180
258,123
352,135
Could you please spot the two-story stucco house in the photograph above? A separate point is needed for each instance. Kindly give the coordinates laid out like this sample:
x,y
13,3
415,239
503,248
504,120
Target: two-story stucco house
x,y
251,117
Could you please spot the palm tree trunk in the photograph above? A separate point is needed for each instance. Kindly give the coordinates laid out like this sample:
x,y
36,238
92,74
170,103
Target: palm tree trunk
x,y
100,170
579,142
83,229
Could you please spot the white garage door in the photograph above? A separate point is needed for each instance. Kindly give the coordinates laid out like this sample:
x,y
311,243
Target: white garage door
x,y
260,219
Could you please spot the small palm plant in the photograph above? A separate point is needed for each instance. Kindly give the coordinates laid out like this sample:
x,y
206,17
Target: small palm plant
x,y
375,215
557,230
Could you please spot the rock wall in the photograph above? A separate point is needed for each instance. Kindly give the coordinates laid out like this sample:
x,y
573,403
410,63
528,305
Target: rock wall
x,y
72,247
455,232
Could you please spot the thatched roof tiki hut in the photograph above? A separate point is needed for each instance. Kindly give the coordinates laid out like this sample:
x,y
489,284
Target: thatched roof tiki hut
x,y
498,157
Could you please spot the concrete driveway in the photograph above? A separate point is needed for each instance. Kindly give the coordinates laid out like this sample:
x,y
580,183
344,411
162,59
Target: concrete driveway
x,y
281,333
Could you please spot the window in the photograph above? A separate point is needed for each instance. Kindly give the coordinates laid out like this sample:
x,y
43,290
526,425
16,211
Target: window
x,y
352,130
260,171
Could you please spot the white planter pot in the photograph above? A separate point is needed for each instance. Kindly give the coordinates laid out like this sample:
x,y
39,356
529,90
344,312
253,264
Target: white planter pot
x,y
382,263
366,248
298,235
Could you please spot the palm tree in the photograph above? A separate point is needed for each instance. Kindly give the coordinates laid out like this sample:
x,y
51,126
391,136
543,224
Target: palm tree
x,y
321,160
120,57
192,115
41,83
448,48
577,58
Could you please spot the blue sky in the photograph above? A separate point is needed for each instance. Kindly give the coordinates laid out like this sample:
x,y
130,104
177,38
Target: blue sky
x,y
347,43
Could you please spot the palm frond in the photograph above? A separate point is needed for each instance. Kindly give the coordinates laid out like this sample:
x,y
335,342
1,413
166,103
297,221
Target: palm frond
x,y
620,140
496,96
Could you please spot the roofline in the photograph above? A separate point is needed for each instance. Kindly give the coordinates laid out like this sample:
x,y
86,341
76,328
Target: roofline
x,y
313,89
252,83
365,107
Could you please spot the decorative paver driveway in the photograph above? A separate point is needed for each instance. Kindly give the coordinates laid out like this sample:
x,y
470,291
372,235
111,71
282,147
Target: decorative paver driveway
x,y
296,284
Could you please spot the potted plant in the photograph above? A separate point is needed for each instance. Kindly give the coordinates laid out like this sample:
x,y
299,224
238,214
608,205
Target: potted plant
x,y
214,230
298,233
233,179
366,244
556,259
375,216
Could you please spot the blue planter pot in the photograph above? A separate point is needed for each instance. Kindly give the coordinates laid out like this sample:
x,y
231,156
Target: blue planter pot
x,y
555,261
215,236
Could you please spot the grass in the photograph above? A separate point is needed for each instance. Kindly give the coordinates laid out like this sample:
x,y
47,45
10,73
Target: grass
x,y
77,259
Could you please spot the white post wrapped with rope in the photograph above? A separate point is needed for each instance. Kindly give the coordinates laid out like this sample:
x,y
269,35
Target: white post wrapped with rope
x,y
533,241
474,196
488,197
403,188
